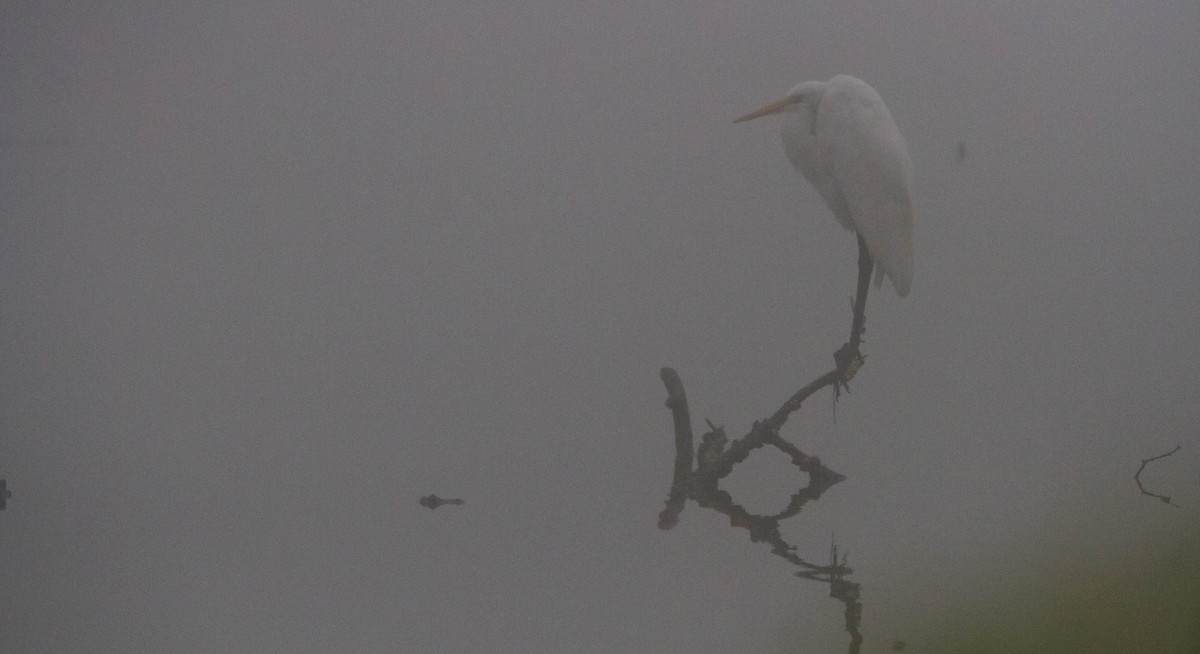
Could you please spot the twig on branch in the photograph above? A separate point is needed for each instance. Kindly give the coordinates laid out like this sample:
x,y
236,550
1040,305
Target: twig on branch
x,y
846,592
1137,477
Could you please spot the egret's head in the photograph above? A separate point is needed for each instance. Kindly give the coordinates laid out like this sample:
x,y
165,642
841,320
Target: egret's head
x,y
806,92
803,97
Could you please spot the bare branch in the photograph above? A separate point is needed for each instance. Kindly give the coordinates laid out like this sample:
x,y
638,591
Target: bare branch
x,y
717,456
677,403
1137,477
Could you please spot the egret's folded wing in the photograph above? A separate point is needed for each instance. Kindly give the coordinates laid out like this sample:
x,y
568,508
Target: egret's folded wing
x,y
870,163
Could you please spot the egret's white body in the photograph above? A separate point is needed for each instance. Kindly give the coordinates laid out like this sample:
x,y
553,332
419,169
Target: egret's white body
x,y
842,139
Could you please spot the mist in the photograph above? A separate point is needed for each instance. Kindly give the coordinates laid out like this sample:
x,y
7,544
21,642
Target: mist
x,y
272,272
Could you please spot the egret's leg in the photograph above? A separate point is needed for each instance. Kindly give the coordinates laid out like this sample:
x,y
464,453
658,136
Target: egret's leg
x,y
848,357
865,267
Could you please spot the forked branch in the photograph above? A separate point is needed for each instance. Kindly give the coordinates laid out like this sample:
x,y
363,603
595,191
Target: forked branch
x,y
717,456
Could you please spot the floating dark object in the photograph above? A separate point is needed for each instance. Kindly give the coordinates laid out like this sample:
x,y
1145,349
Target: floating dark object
x,y
962,152
4,493
433,501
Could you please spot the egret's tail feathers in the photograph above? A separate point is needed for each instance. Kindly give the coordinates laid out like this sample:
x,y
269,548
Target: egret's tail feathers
x,y
896,264
901,284
887,227
900,273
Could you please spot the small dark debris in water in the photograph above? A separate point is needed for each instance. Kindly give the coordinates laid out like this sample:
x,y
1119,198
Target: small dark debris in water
x,y
433,501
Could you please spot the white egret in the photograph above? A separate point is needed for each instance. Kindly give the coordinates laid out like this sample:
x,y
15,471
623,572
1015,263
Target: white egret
x,y
842,139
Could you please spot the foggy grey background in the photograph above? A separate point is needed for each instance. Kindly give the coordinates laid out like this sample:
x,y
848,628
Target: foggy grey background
x,y
271,272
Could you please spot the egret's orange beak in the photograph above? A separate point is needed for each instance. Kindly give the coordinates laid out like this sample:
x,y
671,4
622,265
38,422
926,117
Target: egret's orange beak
x,y
773,108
